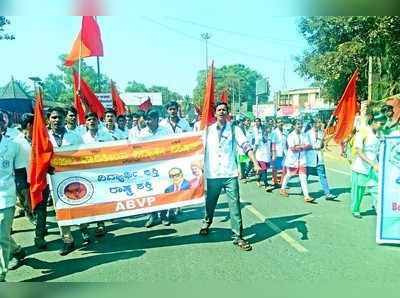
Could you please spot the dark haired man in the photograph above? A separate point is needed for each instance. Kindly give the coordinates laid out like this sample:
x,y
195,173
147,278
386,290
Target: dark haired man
x,y
221,171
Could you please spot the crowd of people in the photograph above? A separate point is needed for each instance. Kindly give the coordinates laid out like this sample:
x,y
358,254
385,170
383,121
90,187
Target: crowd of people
x,y
272,151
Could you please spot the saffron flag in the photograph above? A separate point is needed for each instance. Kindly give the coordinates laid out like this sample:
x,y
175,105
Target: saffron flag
x,y
346,110
224,96
118,104
146,105
42,151
87,98
88,42
207,114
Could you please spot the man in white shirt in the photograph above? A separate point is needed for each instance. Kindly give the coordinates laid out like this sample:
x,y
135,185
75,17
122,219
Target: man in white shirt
x,y
11,164
315,158
24,141
295,161
173,122
122,126
59,137
111,127
221,171
278,149
93,134
365,163
71,121
8,130
152,131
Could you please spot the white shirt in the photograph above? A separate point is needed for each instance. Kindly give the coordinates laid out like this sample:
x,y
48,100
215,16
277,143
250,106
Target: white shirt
x,y
181,126
314,156
12,132
145,134
279,140
10,159
79,130
116,134
263,151
296,159
369,144
69,138
101,136
220,155
25,149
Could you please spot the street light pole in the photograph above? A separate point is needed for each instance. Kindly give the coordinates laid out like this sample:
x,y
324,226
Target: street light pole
x,y
206,37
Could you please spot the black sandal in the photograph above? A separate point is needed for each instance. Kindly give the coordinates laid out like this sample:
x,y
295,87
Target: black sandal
x,y
204,231
242,244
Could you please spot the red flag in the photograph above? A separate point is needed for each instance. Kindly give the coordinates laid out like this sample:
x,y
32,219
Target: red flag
x,y
88,42
80,111
146,105
346,110
207,113
118,104
87,97
42,151
224,96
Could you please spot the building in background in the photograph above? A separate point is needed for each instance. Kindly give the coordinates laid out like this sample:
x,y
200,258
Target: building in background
x,y
297,102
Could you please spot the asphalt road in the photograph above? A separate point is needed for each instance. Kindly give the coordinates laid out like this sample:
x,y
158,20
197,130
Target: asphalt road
x,y
292,241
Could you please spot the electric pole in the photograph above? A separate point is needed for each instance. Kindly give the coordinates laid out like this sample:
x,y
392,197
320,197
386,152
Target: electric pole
x,y
206,37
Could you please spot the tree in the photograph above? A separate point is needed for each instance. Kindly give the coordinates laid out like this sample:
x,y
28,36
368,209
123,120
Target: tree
x,y
59,87
134,86
235,79
3,22
54,88
339,45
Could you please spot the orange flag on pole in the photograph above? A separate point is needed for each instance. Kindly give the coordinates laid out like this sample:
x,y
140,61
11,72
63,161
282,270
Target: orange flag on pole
x,y
207,113
346,110
118,104
88,42
42,151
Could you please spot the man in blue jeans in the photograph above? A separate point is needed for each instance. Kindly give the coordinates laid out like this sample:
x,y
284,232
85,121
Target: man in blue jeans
x,y
315,158
221,171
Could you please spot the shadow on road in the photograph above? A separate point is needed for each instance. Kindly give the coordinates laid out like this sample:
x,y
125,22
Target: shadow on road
x,y
65,267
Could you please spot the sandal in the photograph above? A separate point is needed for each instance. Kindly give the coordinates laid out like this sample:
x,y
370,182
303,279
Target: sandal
x,y
100,231
242,244
204,230
283,192
309,199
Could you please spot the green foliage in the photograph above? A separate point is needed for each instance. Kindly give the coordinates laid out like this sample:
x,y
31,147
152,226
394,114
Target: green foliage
x,y
339,45
167,95
59,87
3,22
233,78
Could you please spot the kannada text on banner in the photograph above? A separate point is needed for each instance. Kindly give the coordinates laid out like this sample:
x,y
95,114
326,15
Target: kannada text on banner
x,y
388,219
113,180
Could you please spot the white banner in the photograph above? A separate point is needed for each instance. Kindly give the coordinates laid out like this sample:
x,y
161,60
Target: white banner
x,y
388,209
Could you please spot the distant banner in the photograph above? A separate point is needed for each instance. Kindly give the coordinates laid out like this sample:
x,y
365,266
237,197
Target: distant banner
x,y
388,219
118,179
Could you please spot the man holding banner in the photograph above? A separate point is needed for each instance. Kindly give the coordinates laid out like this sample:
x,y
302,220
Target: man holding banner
x,y
150,132
221,171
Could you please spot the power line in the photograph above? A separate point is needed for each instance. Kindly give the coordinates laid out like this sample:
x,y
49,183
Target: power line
x,y
170,28
243,34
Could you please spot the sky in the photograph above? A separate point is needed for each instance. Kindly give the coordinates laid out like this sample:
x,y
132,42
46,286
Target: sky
x,y
159,43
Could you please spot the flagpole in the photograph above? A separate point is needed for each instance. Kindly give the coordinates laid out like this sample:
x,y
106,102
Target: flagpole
x,y
98,68
79,65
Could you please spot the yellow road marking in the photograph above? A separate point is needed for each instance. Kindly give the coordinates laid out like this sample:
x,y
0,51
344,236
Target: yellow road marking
x,y
285,236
